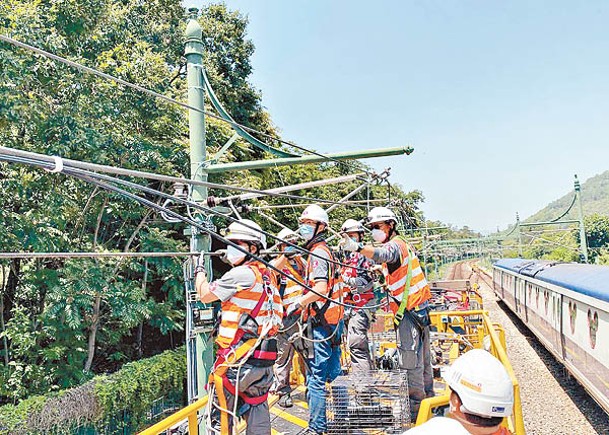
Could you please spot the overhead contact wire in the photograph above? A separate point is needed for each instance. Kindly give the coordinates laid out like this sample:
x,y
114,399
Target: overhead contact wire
x,y
79,173
158,95
182,201
159,177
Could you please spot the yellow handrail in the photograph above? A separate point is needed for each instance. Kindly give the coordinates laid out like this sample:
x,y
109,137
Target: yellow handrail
x,y
190,412
428,404
498,349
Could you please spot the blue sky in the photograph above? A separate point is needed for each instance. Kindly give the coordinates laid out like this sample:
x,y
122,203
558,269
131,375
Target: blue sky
x,y
502,101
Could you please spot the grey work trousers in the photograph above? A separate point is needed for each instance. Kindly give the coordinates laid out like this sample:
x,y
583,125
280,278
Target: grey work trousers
x,y
255,382
411,348
283,364
357,338
427,369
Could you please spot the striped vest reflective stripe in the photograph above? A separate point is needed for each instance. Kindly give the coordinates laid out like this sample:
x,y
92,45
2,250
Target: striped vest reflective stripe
x,y
292,290
396,281
334,313
245,300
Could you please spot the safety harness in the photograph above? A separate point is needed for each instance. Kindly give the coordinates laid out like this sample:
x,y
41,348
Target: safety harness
x,y
419,314
242,346
399,315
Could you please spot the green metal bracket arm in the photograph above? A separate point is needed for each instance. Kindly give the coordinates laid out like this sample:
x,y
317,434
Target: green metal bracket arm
x,y
241,132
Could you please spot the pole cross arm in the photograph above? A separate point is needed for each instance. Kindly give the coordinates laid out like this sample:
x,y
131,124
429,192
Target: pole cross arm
x,y
270,163
241,132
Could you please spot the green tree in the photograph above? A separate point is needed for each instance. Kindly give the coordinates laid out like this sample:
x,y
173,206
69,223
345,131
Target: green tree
x,y
597,236
61,321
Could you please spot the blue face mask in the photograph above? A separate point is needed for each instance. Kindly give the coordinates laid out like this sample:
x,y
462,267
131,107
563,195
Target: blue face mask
x,y
306,231
290,250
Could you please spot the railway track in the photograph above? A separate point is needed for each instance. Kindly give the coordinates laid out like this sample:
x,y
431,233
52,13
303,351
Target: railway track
x,y
553,402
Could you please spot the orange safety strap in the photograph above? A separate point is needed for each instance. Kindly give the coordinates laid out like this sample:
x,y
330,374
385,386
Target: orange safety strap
x,y
217,378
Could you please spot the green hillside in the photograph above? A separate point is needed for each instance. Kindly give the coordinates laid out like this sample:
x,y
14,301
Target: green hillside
x,y
595,195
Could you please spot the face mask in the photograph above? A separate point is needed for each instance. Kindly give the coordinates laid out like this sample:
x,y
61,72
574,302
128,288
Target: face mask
x,y
306,231
354,239
290,250
379,235
233,255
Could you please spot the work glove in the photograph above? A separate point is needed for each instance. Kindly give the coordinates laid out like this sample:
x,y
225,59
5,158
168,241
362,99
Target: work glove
x,y
347,244
222,256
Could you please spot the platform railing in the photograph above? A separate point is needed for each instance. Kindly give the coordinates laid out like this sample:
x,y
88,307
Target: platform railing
x,y
477,325
191,413
514,423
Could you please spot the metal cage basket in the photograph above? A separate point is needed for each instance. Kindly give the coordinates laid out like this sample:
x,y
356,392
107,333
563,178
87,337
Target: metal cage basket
x,y
373,402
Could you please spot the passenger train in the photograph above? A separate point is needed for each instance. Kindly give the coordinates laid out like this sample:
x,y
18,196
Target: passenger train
x,y
566,305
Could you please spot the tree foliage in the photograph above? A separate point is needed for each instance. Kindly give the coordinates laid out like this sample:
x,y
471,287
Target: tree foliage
x,y
63,321
97,403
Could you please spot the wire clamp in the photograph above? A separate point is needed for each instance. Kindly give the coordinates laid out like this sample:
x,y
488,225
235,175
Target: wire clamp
x,y
58,161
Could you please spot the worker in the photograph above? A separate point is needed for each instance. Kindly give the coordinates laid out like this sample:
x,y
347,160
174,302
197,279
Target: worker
x,y
325,316
360,283
481,395
290,262
408,294
250,318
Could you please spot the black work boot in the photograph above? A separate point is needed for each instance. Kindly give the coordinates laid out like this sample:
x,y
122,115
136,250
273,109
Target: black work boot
x,y
285,401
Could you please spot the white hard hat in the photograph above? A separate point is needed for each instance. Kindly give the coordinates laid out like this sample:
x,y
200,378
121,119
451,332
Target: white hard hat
x,y
287,234
380,214
483,384
352,226
246,230
315,213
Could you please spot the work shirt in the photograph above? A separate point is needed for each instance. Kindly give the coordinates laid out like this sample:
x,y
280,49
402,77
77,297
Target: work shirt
x,y
238,278
319,267
389,253
241,290
321,270
439,426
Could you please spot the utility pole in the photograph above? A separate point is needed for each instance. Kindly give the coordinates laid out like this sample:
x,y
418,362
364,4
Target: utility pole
x,y
582,230
199,317
519,235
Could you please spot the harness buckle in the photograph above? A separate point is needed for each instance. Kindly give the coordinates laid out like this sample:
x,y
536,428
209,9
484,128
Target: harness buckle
x,y
231,354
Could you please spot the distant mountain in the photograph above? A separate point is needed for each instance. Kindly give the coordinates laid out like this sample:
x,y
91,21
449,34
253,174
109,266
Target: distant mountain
x,y
595,196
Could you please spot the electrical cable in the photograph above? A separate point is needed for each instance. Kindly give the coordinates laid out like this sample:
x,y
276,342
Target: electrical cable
x,y
158,95
90,178
13,152
175,199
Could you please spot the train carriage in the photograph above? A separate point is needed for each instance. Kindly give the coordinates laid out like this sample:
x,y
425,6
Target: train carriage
x,y
566,305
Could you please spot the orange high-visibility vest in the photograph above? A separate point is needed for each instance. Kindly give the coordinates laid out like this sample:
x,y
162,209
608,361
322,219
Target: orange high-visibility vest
x,y
332,312
244,301
419,288
293,290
